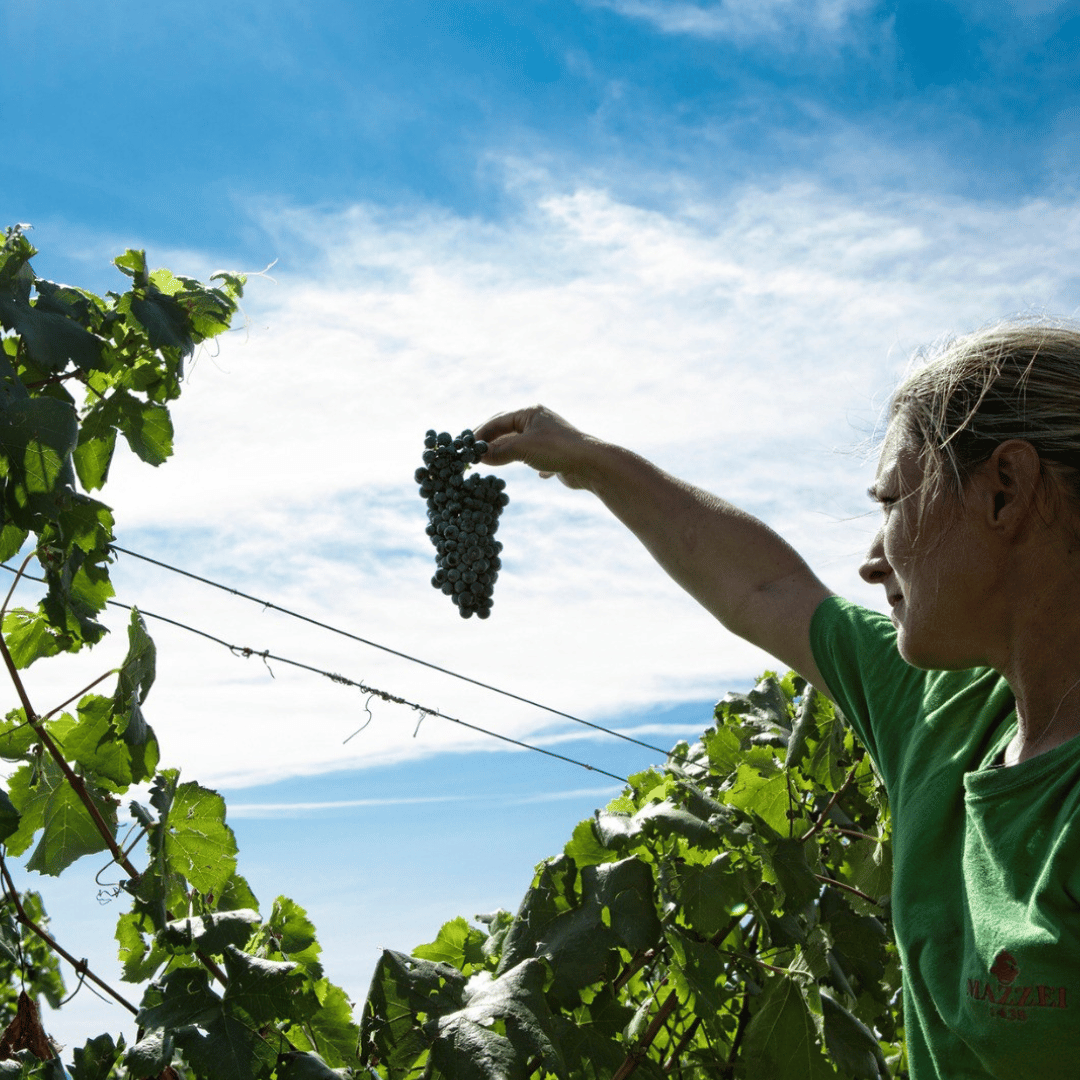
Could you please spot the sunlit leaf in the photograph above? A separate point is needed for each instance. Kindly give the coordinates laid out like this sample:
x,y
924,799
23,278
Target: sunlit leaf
x,y
197,842
46,801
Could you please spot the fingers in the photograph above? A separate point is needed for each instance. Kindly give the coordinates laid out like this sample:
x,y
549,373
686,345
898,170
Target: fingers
x,y
503,424
502,434
536,436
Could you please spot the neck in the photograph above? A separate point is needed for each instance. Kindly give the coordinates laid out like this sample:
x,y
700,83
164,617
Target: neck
x,y
1043,671
1033,738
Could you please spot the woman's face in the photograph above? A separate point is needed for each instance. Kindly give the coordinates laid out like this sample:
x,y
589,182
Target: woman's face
x,y
935,571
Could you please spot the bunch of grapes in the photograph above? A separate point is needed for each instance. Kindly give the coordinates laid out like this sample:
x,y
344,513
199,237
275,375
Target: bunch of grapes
x,y
463,514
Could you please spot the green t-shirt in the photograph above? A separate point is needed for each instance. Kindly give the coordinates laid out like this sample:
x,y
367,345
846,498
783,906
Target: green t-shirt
x,y
986,884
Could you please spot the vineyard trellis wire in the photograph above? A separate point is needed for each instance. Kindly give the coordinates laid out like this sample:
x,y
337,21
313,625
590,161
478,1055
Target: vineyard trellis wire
x,y
271,606
364,688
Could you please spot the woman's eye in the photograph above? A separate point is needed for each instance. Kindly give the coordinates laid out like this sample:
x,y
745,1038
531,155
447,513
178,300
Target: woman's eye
x,y
881,498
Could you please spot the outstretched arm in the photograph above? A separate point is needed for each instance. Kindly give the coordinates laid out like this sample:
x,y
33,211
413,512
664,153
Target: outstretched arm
x,y
735,566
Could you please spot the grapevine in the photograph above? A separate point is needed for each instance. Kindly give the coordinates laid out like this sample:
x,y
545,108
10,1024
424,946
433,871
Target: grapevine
x,y
221,988
463,515
726,917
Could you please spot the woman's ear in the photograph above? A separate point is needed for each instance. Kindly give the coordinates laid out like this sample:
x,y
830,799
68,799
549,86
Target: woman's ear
x,y
1011,481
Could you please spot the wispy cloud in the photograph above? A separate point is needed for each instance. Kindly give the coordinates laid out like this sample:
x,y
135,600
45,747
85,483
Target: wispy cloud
x,y
786,24
297,809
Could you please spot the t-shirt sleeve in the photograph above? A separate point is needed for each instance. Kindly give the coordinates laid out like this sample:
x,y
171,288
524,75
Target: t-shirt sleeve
x,y
878,691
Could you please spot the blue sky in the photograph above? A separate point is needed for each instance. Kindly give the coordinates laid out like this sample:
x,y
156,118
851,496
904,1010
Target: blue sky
x,y
168,123
714,232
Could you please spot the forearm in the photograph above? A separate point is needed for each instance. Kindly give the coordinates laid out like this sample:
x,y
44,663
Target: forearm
x,y
723,557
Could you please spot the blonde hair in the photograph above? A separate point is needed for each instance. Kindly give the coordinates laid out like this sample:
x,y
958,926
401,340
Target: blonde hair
x,y
1013,380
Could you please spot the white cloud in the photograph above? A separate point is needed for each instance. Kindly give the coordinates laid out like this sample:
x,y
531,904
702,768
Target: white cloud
x,y
239,809
786,24
745,343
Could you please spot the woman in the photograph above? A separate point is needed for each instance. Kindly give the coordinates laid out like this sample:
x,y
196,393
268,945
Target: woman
x,y
967,695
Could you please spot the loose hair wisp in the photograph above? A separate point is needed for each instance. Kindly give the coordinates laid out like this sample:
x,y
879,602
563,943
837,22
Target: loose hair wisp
x,y
1014,380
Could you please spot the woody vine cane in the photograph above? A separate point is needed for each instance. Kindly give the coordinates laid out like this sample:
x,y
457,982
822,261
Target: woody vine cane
x,y
226,991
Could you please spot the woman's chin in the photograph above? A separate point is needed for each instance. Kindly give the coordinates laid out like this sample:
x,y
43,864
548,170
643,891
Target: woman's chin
x,y
932,656
909,647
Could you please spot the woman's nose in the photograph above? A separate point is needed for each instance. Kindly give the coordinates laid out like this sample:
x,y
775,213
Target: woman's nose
x,y
875,567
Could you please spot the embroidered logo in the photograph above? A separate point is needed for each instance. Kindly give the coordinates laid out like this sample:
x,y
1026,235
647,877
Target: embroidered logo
x,y
1005,968
1007,1001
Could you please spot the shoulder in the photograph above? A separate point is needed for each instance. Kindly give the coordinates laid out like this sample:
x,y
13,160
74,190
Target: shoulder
x,y
848,639
901,712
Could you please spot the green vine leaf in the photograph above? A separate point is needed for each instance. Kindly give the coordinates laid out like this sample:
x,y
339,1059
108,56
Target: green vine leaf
x,y
236,894
133,263
852,1046
806,721
94,451
760,793
164,320
707,894
194,840
47,802
151,1055
95,1060
585,848
788,862
95,747
301,1065
616,911
17,737
37,438
31,636
265,990
51,339
139,960
592,1042
9,817
145,425
781,1039
24,1066
459,944
180,999
214,932
404,992
504,1024
326,1025
226,1048
288,934
136,676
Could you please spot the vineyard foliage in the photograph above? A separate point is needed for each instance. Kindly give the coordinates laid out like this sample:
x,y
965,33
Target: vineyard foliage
x,y
222,989
726,916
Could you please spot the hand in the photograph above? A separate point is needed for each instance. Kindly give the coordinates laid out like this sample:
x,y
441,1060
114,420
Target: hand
x,y
542,440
